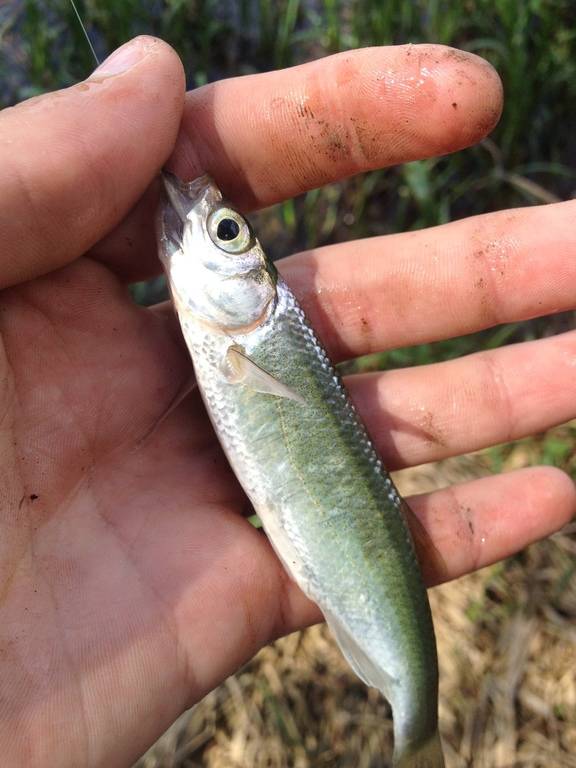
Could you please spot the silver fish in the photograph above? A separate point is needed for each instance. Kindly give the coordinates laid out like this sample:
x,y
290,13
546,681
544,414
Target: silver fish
x,y
302,455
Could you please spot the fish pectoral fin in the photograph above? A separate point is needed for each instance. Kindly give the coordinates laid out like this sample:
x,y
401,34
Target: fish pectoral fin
x,y
238,368
366,669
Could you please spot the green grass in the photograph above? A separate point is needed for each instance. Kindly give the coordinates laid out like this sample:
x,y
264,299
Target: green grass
x,y
527,159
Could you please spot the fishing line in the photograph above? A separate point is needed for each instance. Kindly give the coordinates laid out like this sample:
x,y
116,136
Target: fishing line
x,y
85,31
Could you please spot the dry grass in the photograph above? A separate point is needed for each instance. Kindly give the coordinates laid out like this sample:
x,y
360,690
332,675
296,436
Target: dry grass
x,y
507,645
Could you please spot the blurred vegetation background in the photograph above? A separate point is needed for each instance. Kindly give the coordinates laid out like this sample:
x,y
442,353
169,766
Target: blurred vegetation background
x,y
529,159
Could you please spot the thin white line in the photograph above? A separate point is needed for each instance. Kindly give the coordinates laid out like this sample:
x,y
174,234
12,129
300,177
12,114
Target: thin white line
x,y
85,32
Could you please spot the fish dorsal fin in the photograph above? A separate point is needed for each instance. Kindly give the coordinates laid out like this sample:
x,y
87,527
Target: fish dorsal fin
x,y
432,564
239,368
366,669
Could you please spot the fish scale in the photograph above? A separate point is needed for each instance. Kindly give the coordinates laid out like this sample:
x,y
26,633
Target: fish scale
x,y
304,458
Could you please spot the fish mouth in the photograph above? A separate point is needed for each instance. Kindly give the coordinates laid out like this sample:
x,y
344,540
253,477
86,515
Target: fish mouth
x,y
183,203
184,196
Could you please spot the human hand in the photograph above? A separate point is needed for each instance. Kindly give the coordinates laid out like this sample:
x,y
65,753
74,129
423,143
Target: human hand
x,y
131,584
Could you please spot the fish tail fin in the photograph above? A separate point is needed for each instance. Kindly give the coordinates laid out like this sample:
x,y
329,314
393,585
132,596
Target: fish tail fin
x,y
426,755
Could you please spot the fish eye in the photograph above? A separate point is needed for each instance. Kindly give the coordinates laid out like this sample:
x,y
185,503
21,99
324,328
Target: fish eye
x,y
229,231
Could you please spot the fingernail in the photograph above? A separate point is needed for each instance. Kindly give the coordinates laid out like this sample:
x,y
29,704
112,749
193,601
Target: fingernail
x,y
122,59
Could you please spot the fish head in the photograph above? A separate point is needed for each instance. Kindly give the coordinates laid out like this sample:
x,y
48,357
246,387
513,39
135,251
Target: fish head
x,y
217,270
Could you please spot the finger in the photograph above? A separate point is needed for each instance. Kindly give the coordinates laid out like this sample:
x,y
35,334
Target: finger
x,y
480,522
423,414
270,136
75,161
400,290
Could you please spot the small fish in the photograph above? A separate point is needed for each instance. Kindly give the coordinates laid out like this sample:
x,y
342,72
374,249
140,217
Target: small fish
x,y
302,455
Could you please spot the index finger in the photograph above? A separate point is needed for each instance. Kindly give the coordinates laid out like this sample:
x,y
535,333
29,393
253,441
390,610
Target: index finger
x,y
271,136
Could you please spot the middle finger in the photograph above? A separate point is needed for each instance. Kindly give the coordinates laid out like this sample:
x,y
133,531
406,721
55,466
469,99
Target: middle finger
x,y
399,290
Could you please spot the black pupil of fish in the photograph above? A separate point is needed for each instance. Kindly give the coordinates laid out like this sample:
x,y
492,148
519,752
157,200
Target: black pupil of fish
x,y
228,229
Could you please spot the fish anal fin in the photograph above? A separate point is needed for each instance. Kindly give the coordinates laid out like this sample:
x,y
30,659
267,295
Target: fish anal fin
x,y
239,368
366,669
432,564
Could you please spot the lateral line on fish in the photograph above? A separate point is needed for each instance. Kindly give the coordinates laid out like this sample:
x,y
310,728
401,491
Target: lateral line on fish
x,y
314,499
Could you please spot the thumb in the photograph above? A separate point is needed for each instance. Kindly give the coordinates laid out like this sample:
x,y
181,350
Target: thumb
x,y
75,161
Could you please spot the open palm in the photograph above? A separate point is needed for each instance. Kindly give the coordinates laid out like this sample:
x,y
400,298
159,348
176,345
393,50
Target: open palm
x,y
130,582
